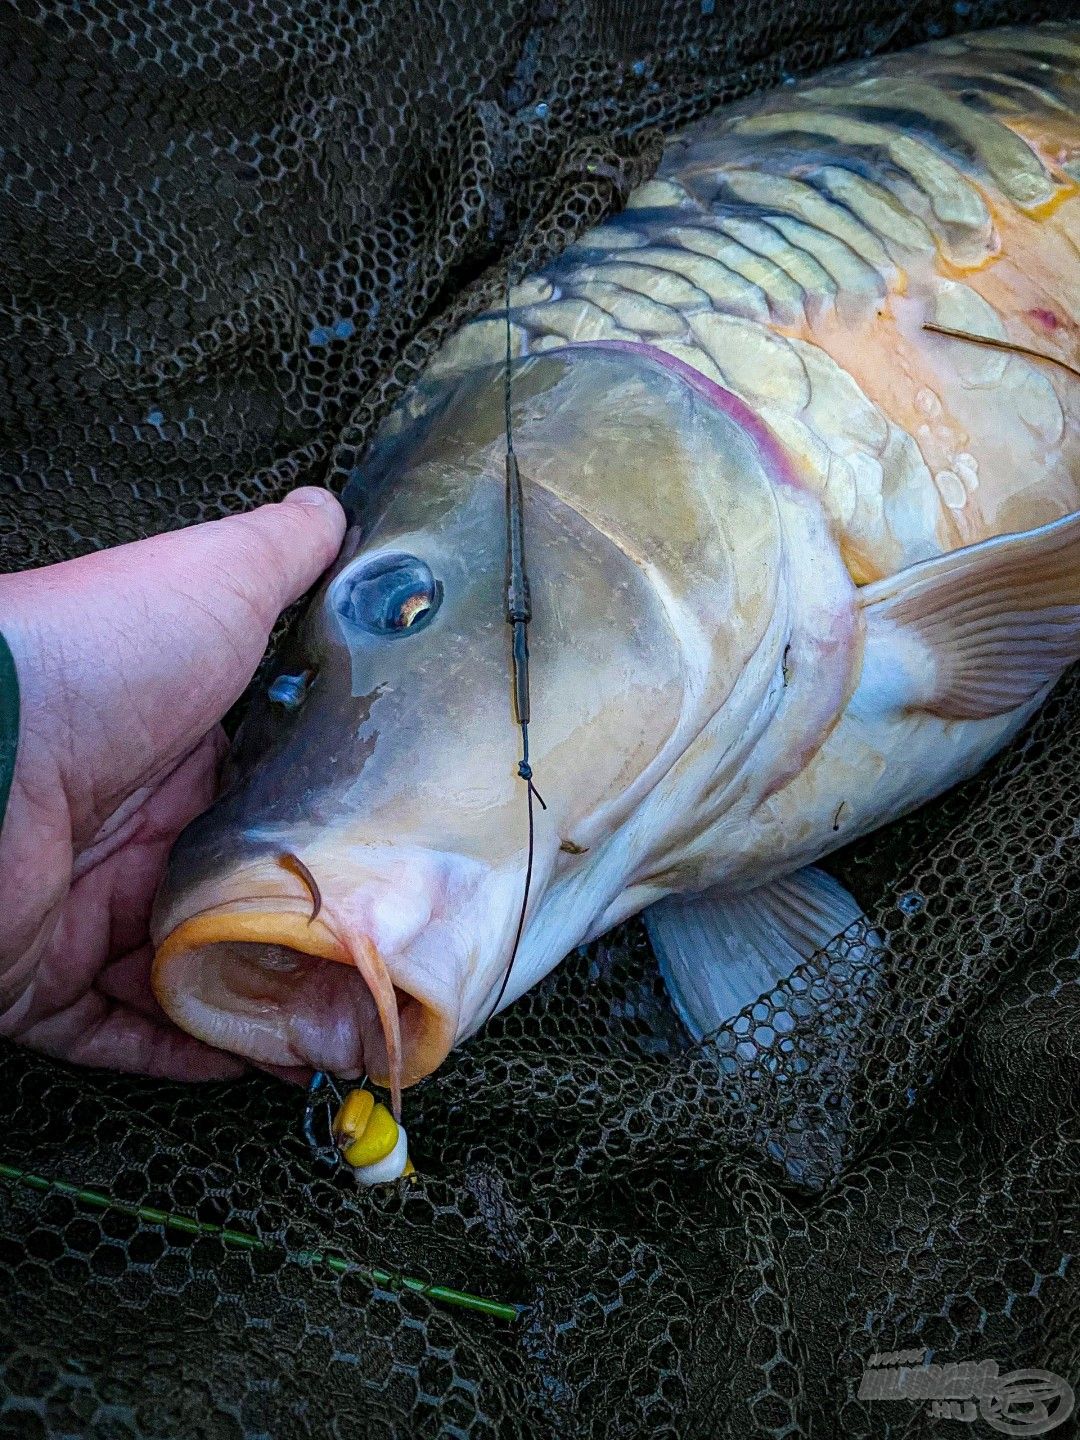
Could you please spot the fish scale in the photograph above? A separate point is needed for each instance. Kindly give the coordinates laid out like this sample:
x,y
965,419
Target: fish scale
x,y
896,180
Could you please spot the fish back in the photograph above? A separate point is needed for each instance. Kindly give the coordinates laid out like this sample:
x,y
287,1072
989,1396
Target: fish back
x,y
794,248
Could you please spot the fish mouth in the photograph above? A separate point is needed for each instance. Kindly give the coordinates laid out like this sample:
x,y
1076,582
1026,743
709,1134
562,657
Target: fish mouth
x,y
286,990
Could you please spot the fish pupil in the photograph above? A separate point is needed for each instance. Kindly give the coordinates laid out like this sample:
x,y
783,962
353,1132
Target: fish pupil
x,y
413,610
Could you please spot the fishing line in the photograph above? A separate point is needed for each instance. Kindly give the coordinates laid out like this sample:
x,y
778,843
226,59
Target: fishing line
x,y
518,611
329,1153
518,614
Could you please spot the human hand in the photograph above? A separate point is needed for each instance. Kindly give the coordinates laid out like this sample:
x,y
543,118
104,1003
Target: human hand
x,y
127,659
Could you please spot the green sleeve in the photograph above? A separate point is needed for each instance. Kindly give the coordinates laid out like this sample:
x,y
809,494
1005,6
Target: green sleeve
x,y
9,722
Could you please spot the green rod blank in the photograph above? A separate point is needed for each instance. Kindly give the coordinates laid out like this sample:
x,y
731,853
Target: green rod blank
x,y
387,1279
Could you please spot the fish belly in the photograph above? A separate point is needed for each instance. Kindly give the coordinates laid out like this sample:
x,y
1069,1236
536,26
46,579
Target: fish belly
x,y
794,249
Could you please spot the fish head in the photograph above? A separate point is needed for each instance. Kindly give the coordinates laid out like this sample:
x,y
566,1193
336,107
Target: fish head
x,y
352,899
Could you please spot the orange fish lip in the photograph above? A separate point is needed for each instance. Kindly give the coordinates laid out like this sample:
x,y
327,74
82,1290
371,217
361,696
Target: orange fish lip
x,y
428,1029
259,927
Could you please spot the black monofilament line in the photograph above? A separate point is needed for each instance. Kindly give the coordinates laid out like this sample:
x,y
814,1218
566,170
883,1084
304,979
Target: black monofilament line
x,y
518,615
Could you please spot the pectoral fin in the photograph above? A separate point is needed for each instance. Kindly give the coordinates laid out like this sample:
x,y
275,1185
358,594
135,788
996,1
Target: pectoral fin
x,y
980,631
718,954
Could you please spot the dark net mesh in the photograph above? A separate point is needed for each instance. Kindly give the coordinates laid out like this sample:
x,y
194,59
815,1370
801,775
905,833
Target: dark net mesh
x,y
230,236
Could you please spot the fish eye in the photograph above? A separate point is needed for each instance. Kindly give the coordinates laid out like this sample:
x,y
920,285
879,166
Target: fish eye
x,y
388,595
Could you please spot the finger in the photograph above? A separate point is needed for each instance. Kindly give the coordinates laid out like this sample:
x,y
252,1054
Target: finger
x,y
98,1032
106,911
127,657
277,552
290,1074
126,980
128,879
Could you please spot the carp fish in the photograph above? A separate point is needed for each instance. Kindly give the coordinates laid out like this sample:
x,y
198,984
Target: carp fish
x,y
797,432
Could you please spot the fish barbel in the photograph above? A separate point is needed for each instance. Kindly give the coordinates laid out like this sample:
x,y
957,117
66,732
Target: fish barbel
x,y
800,560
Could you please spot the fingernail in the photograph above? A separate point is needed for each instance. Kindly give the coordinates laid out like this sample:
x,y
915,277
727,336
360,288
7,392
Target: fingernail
x,y
310,495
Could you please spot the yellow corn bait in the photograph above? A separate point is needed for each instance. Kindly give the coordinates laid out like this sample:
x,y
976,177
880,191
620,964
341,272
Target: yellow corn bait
x,y
352,1119
371,1140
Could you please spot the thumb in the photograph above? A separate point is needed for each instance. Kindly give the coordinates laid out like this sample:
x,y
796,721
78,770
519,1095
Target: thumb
x,y
266,558
129,656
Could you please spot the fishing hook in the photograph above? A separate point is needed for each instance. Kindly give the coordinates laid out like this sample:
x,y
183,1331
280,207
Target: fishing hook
x,y
329,1154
